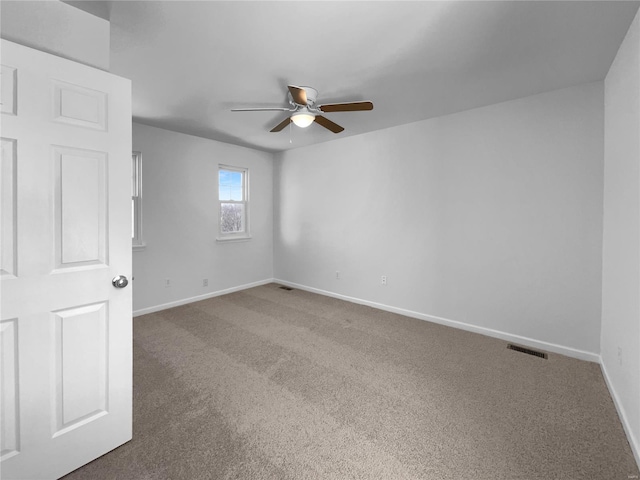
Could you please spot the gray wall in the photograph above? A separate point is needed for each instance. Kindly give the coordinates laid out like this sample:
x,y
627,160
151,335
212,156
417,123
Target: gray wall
x,y
57,28
180,225
620,345
490,217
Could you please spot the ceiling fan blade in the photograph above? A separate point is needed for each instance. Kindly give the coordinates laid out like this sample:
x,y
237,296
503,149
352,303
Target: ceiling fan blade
x,y
346,107
328,124
260,109
281,125
298,94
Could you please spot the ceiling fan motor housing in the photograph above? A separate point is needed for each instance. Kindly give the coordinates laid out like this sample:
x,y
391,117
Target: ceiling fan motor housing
x,y
312,95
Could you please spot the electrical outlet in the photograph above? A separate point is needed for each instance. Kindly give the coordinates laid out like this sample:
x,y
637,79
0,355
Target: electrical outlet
x,y
383,279
167,282
205,282
337,275
620,355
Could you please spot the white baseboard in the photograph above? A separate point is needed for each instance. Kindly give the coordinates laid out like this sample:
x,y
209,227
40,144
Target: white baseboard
x,y
197,298
524,341
633,441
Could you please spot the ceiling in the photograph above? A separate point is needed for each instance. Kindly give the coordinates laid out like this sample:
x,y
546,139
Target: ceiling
x,y
191,62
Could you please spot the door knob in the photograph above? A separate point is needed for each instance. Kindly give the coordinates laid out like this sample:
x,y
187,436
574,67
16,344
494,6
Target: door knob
x,y
120,281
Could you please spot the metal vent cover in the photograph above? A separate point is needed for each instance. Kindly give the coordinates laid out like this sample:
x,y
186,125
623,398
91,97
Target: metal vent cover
x,y
528,351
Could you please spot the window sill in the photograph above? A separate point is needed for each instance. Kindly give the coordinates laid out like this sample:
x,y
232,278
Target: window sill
x,y
139,247
230,239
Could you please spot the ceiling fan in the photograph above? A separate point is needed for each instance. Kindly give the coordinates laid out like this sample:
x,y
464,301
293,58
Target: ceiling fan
x,y
304,110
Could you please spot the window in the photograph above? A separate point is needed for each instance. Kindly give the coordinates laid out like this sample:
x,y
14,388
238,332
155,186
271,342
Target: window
x,y
233,198
136,200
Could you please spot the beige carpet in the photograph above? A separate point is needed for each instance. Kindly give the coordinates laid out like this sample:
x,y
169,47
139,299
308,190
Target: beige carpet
x,y
275,384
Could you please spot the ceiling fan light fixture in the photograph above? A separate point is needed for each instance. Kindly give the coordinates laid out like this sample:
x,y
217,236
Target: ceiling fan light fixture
x,y
303,119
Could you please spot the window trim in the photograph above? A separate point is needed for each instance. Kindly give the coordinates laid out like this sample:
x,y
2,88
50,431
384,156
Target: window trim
x,y
136,197
234,236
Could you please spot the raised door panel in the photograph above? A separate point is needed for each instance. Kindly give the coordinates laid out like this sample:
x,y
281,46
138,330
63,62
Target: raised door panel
x,y
9,397
8,208
81,387
80,106
8,87
81,208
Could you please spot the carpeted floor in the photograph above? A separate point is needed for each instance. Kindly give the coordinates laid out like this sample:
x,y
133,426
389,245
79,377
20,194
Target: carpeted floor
x,y
274,384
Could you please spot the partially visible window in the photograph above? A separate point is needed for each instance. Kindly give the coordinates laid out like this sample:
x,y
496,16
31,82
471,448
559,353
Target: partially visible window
x,y
136,200
233,199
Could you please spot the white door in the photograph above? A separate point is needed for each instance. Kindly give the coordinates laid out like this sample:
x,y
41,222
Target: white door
x,y
65,331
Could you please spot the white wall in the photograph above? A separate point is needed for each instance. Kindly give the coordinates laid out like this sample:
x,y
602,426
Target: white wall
x,y
57,28
179,188
621,243
491,217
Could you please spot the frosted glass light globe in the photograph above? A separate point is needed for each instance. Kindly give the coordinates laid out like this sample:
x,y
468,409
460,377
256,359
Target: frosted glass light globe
x,y
302,120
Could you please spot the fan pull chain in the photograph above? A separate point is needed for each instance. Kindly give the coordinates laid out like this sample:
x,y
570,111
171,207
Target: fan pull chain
x,y
290,140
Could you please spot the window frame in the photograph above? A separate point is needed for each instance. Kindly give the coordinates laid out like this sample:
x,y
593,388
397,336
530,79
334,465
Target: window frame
x,y
136,197
234,236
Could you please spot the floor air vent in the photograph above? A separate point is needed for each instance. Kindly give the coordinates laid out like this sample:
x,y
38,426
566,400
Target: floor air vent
x,y
528,351
287,288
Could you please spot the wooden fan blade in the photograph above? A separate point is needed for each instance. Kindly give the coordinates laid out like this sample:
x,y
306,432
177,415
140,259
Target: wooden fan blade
x,y
281,125
328,124
260,109
346,107
298,94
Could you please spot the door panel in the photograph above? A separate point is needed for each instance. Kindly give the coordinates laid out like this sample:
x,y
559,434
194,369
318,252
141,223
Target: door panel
x,y
9,101
66,334
81,106
8,215
9,399
81,207
82,388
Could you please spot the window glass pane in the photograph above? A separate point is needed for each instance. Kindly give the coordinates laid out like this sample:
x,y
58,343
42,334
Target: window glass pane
x,y
134,176
236,194
231,217
236,179
133,218
230,185
224,191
